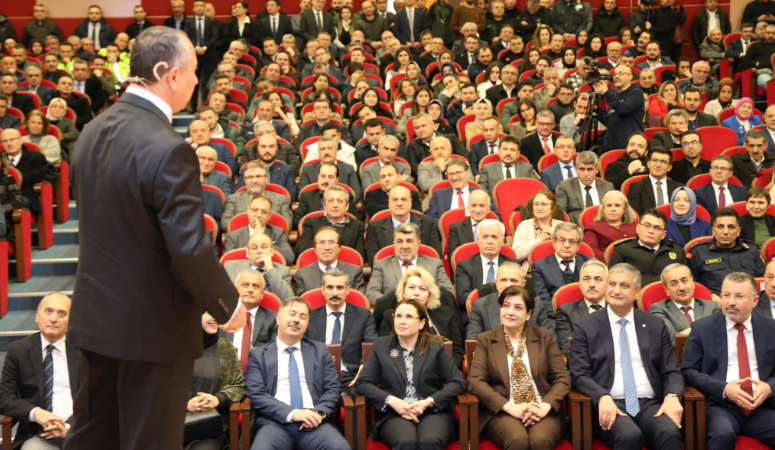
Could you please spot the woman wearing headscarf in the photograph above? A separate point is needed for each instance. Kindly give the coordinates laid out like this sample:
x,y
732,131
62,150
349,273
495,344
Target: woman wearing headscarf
x,y
743,120
567,62
371,99
56,116
581,38
683,224
414,73
726,88
482,111
436,111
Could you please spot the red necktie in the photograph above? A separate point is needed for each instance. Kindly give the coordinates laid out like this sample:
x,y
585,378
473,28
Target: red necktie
x,y
546,145
722,199
492,148
686,309
407,264
247,334
742,363
460,203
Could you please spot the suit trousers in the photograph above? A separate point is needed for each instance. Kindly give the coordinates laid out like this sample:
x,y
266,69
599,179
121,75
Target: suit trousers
x,y
509,433
204,70
346,379
275,436
725,423
431,433
644,429
38,443
130,405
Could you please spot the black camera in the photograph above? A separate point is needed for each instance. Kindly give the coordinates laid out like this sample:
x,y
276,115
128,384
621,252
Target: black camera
x,y
593,71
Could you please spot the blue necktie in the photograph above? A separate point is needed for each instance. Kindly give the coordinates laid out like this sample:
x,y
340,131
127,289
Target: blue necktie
x,y
568,273
490,273
570,172
199,32
48,374
297,401
337,337
628,374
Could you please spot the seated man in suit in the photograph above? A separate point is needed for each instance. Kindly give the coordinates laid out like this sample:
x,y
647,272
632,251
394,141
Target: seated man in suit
x,y
41,377
565,167
328,151
312,200
592,282
481,268
623,359
766,305
31,164
677,122
575,195
631,163
692,102
561,268
217,101
325,324
7,120
84,82
265,111
387,152
78,104
211,177
277,278
487,146
199,132
223,86
485,312
344,151
262,321
769,131
424,134
327,246
377,200
388,271
255,181
465,231
268,149
293,387
373,130
747,165
681,309
508,166
336,203
719,193
456,196
542,142
34,77
431,172
737,48
321,110
728,358
692,164
8,85
650,252
221,128
656,189
259,213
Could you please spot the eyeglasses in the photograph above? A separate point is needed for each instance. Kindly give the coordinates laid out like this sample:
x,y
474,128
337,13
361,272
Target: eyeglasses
x,y
686,144
660,161
649,226
254,177
9,140
326,243
682,200
407,317
722,169
738,297
564,241
454,174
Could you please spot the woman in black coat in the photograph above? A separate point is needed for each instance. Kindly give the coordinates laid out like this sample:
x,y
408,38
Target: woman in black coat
x,y
231,31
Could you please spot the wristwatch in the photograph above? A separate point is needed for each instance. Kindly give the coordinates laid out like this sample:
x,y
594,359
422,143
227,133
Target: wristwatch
x,y
321,414
670,394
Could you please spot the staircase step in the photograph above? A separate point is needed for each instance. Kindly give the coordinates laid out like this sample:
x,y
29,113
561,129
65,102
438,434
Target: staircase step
x,y
16,325
73,211
26,296
57,260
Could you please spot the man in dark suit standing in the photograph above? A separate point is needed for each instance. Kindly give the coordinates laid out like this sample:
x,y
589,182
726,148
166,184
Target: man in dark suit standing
x,y
561,268
719,193
315,21
336,202
738,47
692,164
542,141
409,23
481,268
165,240
140,23
178,18
623,359
325,324
656,189
747,165
729,358
276,24
33,366
204,35
32,165
592,281
293,387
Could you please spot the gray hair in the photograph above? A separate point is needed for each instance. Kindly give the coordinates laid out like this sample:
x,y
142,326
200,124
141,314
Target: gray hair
x,y
723,158
647,70
594,262
423,116
587,157
291,300
408,228
255,165
754,134
700,63
492,222
676,112
261,123
336,188
336,273
458,162
389,137
49,295
627,269
33,67
289,36
327,139
251,272
551,69
469,25
545,113
670,268
741,277
533,2
443,138
156,51
567,226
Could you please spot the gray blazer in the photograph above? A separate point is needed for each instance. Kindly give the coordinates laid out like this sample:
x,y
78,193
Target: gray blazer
x,y
674,318
277,281
264,328
387,273
310,277
239,238
219,180
486,315
370,173
571,198
569,315
491,174
238,204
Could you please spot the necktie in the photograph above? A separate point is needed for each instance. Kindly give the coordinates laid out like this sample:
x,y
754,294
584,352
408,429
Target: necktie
x,y
490,273
508,171
411,24
320,21
628,374
566,271
460,202
199,32
742,363
247,338
596,307
48,374
274,26
521,388
546,145
570,172
588,198
722,199
407,264
476,233
660,195
686,309
14,161
470,58
91,31
337,336
140,26
492,148
297,401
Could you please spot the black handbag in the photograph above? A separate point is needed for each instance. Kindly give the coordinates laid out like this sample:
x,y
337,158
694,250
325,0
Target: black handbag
x,y
203,425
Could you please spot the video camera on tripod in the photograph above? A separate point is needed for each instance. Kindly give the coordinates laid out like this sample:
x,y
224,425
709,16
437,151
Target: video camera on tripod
x,y
593,71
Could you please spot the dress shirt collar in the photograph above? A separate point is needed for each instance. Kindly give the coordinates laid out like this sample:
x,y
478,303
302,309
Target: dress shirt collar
x,y
589,304
679,306
571,261
397,223
323,267
746,324
153,98
281,346
647,246
59,345
614,319
654,181
330,311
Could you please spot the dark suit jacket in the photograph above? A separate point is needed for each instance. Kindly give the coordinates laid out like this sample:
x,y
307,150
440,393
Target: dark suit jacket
x,y
24,103
211,36
675,319
350,235
489,377
568,315
107,33
533,149
347,175
81,108
45,93
460,233
401,25
497,93
706,196
376,200
663,139
283,27
33,167
310,202
181,274
442,199
763,307
548,277
649,264
96,94
170,22
680,170
434,374
261,381
592,358
700,25
641,194
134,29
308,27
479,150
230,32
358,328
553,175
381,234
22,384
264,329
744,169
747,230
469,276
462,59
704,362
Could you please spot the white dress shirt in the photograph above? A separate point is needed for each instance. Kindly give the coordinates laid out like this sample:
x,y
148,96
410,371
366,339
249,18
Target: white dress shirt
x,y
548,142
62,402
466,192
641,377
94,30
561,262
526,361
401,265
240,25
772,307
486,268
733,368
14,160
589,305
727,194
218,133
322,267
283,392
153,98
592,192
237,337
513,169
663,186
713,21
690,305
330,320
564,171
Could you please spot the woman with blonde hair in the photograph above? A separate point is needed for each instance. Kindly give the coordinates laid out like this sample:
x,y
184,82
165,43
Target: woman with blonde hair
x,y
668,98
615,220
537,230
542,37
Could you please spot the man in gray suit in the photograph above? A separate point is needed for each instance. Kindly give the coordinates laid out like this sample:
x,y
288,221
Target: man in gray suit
x,y
327,245
328,147
388,149
277,278
681,309
259,212
211,177
255,182
262,321
485,312
574,195
766,304
509,165
34,77
432,172
387,272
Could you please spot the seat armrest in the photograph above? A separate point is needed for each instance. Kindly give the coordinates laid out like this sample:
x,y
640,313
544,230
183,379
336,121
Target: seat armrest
x,y
234,414
7,423
581,420
245,409
361,410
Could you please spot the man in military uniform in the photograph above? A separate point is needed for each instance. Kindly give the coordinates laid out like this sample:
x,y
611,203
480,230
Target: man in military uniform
x,y
713,260
650,252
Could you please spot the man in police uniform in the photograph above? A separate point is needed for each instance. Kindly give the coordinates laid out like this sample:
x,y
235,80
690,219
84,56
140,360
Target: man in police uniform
x,y
713,260
650,252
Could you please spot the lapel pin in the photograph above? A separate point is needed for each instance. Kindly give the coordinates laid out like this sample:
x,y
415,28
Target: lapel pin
x,y
644,325
394,353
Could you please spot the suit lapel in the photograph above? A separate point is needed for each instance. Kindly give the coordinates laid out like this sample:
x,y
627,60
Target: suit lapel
x,y
36,355
260,315
468,230
642,331
759,341
478,274
494,313
648,184
500,354
608,342
394,266
387,229
398,361
349,317
721,343
308,352
419,360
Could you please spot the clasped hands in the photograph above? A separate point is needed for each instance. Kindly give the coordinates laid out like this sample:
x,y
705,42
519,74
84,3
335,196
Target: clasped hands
x,y
202,402
410,412
53,425
528,413
735,393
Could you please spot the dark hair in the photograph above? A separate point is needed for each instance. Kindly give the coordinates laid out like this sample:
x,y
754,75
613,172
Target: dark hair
x,y
694,90
511,140
291,300
244,5
203,108
354,66
100,57
330,164
655,212
654,42
692,132
157,45
468,85
373,122
3,97
746,25
526,295
662,150
66,44
530,103
566,86
546,58
221,77
329,126
683,59
725,212
621,33
426,335
338,237
641,134
528,82
758,192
